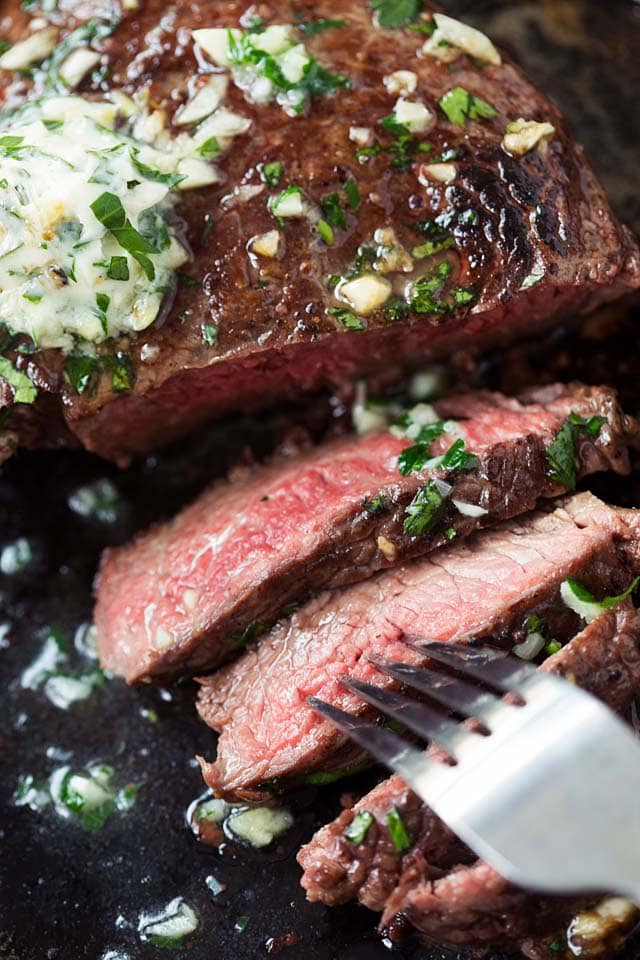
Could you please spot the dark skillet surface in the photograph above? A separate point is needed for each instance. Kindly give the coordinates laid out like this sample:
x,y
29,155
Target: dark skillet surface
x,y
66,894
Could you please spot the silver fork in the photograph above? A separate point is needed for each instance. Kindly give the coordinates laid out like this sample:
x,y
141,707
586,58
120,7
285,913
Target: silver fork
x,y
548,792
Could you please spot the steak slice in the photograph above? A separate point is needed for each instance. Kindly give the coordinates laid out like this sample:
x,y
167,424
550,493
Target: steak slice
x,y
474,904
184,595
530,237
467,590
604,659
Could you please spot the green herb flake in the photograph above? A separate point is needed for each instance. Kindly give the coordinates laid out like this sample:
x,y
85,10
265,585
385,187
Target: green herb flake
x,y
423,511
563,462
457,458
374,505
102,301
425,291
118,268
429,247
322,778
210,147
395,13
450,533
272,172
326,232
414,458
331,206
24,390
552,647
398,832
209,334
352,193
359,827
459,105
241,924
347,318
80,370
311,27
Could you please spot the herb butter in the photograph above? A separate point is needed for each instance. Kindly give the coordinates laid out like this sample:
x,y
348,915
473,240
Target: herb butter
x,y
88,249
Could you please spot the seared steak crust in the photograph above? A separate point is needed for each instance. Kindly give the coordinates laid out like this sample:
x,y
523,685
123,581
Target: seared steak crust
x,y
183,596
469,903
540,216
468,590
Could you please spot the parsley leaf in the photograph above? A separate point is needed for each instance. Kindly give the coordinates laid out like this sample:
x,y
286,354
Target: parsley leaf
x,y
459,105
562,455
359,826
395,13
423,511
415,457
118,268
331,206
272,172
398,831
24,391
347,318
310,27
457,458
109,211
150,173
209,334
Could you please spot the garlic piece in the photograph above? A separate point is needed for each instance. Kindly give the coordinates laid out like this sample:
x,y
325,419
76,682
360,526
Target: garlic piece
x,y
361,136
388,549
414,115
401,81
522,136
266,244
471,41
207,99
365,294
79,62
391,255
440,172
33,49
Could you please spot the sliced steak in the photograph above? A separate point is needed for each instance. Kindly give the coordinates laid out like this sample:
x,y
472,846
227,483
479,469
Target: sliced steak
x,y
181,597
468,903
530,236
467,590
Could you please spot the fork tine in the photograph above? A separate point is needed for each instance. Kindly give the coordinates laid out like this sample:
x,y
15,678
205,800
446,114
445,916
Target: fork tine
x,y
419,717
490,666
411,763
448,691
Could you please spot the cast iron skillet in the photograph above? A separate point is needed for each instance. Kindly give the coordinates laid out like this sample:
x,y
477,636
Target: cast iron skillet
x,y
69,894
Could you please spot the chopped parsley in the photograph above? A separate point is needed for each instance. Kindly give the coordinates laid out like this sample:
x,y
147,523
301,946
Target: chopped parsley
x,y
395,13
576,596
429,247
170,180
331,206
311,27
460,105
24,390
210,148
209,334
352,193
404,144
398,832
315,80
415,457
457,458
347,318
562,455
374,505
359,826
324,777
82,371
326,232
272,172
241,924
94,29
424,510
425,291
118,268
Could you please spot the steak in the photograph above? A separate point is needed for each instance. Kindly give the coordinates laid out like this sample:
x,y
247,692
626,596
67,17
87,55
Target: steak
x,y
604,659
183,596
464,591
527,238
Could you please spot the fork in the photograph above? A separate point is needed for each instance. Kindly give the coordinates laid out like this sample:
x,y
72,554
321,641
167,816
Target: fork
x,y
545,788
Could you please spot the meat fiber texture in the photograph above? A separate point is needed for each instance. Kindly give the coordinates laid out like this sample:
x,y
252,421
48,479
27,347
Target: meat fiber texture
x,y
468,590
181,597
532,236
435,884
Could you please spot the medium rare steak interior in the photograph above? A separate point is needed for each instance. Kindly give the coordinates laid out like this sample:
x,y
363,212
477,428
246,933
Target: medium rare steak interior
x,y
183,596
466,590
371,200
432,882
